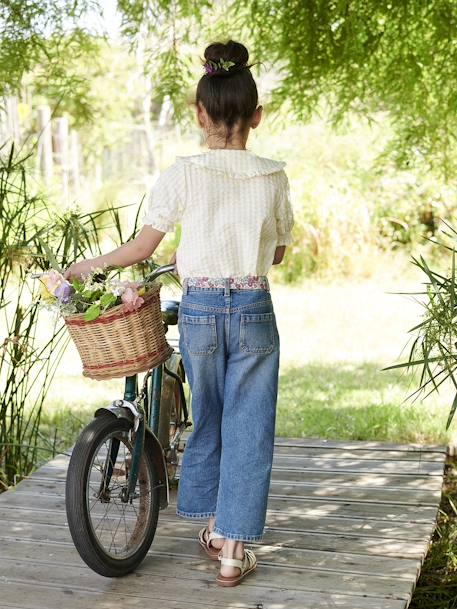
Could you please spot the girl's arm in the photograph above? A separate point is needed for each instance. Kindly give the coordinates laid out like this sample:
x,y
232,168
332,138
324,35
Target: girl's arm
x,y
140,248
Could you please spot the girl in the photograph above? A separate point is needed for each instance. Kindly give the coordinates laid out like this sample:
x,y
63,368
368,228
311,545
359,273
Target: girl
x,y
235,215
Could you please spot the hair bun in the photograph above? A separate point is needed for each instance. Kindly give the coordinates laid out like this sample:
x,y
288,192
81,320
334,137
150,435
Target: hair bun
x,y
230,51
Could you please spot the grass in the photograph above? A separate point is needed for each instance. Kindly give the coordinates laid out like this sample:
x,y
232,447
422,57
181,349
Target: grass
x,y
356,401
332,400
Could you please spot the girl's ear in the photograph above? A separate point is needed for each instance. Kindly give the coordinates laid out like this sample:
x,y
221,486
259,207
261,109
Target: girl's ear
x,y
257,117
200,114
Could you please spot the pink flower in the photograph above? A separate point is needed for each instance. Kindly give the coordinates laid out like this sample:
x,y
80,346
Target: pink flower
x,y
131,299
129,284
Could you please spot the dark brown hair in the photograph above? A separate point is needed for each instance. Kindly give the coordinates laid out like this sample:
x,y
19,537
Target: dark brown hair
x,y
229,95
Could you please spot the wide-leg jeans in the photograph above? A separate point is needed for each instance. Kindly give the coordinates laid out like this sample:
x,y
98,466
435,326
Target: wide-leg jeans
x,y
230,348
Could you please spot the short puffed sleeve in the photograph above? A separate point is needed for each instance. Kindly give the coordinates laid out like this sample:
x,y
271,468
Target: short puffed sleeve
x,y
284,213
165,200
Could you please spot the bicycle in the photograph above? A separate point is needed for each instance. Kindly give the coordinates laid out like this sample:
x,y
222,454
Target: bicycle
x,y
124,462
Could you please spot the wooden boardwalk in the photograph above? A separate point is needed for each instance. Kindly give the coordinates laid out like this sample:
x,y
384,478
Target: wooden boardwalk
x,y
349,525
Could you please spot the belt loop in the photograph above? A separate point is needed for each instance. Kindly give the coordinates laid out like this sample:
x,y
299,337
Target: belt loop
x,y
267,283
227,286
184,285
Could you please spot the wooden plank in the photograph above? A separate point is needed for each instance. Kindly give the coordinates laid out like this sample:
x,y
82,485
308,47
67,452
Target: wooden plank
x,y
22,594
351,444
365,479
317,463
301,490
410,532
326,541
377,495
359,445
189,573
22,542
280,491
298,490
407,468
326,452
289,506
361,479
335,507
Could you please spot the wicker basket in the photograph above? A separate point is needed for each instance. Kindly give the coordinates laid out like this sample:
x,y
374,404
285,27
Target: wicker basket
x,y
119,342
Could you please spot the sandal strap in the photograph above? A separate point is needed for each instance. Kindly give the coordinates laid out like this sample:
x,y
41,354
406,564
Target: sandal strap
x,y
250,557
248,561
214,535
232,562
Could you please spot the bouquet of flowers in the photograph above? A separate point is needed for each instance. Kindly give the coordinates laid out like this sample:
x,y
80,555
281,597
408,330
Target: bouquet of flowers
x,y
115,324
91,295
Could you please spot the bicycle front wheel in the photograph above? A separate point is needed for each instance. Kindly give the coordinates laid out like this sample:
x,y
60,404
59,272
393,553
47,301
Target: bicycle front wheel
x,y
111,534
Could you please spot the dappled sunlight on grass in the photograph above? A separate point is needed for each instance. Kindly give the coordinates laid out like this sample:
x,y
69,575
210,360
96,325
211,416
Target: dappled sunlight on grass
x,y
357,402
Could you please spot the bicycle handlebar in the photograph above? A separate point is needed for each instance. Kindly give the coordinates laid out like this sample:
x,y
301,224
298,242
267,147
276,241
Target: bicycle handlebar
x,y
166,268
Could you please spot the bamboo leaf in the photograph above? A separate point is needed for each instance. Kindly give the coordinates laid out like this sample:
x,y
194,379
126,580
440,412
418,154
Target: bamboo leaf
x,y
452,412
50,256
414,363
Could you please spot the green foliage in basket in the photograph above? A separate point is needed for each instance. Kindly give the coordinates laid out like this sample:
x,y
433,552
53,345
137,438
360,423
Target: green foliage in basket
x,y
91,294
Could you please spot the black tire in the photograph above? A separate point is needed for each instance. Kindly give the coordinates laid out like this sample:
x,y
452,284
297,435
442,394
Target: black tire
x,y
81,485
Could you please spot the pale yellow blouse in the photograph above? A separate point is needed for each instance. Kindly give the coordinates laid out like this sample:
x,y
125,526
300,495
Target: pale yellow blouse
x,y
234,209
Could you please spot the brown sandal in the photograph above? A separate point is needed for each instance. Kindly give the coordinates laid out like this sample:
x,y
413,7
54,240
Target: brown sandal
x,y
248,564
204,539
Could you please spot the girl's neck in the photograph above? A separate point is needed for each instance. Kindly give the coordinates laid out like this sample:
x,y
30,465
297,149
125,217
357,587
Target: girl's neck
x,y
218,143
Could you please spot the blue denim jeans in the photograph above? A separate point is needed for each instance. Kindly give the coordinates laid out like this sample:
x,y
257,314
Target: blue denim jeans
x,y
230,348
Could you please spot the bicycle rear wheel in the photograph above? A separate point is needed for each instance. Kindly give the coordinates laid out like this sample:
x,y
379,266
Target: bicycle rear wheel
x,y
170,424
112,535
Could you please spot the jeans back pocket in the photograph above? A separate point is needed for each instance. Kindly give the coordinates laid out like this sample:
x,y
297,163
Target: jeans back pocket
x,y
257,332
199,332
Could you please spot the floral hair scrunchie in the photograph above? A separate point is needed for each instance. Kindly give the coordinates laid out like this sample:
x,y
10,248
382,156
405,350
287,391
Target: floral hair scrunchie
x,y
211,66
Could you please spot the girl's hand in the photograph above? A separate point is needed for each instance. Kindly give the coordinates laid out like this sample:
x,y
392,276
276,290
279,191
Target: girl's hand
x,y
173,261
84,267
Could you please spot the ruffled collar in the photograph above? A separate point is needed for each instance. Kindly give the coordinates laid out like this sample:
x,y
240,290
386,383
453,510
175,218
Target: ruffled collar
x,y
233,162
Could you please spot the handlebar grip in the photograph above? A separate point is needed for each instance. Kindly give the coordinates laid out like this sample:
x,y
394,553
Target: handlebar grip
x,y
166,268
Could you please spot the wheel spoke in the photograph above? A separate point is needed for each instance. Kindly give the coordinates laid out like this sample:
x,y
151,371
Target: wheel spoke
x,y
119,527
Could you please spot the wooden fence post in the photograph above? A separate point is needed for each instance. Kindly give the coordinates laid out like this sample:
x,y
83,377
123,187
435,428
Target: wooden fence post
x,y
74,160
61,150
9,120
12,116
45,161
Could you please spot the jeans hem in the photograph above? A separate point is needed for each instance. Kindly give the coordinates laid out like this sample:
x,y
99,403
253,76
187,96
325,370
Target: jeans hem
x,y
237,536
195,514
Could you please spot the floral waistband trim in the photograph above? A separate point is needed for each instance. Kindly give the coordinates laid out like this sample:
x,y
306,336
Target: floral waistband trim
x,y
248,282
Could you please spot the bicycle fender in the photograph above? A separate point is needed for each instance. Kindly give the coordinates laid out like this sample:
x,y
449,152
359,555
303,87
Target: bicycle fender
x,y
128,411
153,445
121,409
